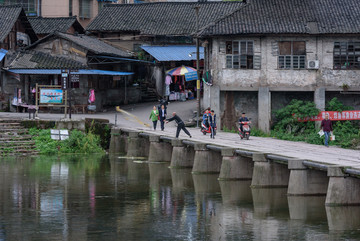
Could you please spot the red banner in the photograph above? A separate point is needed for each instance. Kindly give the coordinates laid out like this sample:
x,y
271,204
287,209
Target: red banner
x,y
334,116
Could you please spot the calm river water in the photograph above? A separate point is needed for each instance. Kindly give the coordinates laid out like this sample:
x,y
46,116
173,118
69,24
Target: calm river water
x,y
113,198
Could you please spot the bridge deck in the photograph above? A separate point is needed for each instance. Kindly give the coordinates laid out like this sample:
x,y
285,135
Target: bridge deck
x,y
317,153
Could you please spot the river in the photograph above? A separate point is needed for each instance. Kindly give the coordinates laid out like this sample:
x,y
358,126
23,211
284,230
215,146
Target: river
x,y
113,198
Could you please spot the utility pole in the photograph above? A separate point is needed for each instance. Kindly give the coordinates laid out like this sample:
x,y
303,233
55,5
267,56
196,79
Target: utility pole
x,y
197,66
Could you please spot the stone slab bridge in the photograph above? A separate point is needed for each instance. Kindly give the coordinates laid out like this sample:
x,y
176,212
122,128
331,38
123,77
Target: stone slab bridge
x,y
303,168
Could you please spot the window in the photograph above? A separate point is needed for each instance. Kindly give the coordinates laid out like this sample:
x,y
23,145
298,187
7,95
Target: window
x,y
239,54
30,6
347,55
292,55
70,8
85,8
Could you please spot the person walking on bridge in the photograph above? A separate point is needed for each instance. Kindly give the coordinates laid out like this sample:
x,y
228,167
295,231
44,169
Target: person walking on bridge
x,y
180,124
327,128
154,116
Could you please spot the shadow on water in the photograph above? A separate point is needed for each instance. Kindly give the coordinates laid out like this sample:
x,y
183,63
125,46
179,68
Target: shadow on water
x,y
82,197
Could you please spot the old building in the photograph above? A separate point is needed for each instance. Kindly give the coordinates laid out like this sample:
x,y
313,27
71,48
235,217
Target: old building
x,y
84,10
15,29
45,26
269,52
161,25
42,62
15,32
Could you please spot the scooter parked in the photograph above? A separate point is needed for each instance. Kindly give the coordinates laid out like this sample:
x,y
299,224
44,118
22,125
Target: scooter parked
x,y
246,130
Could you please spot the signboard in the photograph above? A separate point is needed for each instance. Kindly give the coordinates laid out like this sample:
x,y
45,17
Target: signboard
x,y
74,77
59,134
51,96
334,116
191,76
64,79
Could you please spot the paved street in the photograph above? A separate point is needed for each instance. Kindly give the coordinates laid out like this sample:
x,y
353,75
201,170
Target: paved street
x,y
331,155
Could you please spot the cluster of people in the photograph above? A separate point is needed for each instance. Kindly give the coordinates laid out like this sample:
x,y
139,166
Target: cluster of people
x,y
209,121
160,114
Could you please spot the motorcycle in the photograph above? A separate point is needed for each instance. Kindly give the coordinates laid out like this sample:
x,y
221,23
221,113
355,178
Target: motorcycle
x,y
246,130
205,129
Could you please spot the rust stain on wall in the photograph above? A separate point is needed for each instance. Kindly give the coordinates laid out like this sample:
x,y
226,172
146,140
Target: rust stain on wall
x,y
228,118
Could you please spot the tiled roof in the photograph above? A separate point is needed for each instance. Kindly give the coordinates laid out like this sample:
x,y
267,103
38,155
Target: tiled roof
x,y
48,25
160,18
290,17
8,17
39,60
91,44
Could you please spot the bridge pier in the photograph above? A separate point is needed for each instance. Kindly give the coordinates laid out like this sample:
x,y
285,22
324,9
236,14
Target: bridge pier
x,y
182,155
268,174
205,160
343,190
159,150
305,181
234,167
137,146
118,142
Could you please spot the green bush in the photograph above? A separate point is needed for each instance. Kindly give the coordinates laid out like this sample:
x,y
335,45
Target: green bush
x,y
78,142
287,127
335,105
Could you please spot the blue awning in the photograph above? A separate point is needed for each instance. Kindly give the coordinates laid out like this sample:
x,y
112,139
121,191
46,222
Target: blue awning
x,y
174,52
2,54
58,71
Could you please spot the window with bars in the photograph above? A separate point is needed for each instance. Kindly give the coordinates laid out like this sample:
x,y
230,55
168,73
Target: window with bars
x,y
292,55
239,54
347,55
30,6
85,8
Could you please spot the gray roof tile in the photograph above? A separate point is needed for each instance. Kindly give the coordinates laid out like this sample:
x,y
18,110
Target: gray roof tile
x,y
160,18
8,17
91,44
49,25
38,60
290,17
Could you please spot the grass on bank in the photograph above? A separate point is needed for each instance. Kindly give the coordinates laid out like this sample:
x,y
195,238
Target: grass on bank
x,y
78,142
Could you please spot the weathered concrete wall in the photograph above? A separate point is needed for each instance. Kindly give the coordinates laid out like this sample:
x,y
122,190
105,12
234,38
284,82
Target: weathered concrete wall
x,y
280,99
320,48
347,99
233,103
231,84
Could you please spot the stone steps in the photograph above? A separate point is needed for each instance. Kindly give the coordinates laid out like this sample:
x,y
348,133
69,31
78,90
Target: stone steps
x,y
15,139
10,124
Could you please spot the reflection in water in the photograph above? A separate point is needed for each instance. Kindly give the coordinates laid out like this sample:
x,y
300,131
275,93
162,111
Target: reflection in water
x,y
307,208
111,198
181,180
236,192
343,218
